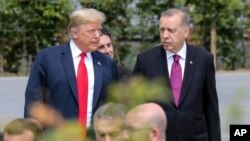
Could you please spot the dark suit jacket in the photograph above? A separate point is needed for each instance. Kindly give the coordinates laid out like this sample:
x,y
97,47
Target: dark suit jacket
x,y
53,80
197,116
123,73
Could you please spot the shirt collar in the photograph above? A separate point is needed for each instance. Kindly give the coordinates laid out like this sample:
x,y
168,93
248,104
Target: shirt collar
x,y
182,53
76,52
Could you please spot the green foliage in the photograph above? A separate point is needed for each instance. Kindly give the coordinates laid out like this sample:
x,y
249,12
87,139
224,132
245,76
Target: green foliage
x,y
138,90
118,21
30,25
134,25
26,26
235,113
69,131
229,17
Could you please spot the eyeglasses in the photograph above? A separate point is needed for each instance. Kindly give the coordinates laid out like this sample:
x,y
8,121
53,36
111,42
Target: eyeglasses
x,y
131,130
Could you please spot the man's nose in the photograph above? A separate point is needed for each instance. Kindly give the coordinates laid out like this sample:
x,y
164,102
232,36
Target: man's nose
x,y
125,135
105,49
165,34
97,33
107,138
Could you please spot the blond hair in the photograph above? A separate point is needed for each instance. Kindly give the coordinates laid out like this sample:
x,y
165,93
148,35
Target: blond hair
x,y
84,16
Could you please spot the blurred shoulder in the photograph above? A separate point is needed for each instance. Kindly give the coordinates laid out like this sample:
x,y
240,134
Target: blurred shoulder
x,y
200,51
152,52
53,49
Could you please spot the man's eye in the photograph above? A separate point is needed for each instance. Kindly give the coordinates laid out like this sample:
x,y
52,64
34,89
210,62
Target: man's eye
x,y
115,134
171,30
162,30
101,135
109,44
101,47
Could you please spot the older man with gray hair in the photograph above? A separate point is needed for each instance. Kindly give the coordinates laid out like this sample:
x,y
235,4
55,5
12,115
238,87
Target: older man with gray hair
x,y
108,122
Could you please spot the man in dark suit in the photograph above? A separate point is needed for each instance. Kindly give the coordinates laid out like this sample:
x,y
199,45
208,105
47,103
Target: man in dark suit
x,y
106,47
193,113
53,78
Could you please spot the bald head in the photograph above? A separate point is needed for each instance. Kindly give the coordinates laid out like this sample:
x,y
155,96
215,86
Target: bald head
x,y
148,115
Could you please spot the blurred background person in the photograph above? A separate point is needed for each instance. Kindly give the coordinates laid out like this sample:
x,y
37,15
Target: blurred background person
x,y
106,46
108,122
145,122
23,130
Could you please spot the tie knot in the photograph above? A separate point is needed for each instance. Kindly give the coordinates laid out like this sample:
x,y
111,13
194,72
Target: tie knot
x,y
176,58
83,55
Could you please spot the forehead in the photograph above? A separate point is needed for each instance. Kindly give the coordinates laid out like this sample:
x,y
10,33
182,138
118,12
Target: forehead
x,y
104,38
108,125
170,21
91,25
25,136
135,119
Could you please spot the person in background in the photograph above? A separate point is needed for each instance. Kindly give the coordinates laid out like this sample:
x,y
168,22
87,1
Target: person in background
x,y
189,73
72,78
108,122
23,130
145,122
106,46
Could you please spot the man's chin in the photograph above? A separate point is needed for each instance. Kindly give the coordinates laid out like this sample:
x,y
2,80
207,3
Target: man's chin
x,y
93,48
110,56
167,47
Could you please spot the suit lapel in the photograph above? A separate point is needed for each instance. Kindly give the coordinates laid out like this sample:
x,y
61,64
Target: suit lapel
x,y
98,78
67,61
190,65
162,67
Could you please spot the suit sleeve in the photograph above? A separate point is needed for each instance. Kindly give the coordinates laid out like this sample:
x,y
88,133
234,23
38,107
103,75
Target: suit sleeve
x,y
211,103
36,87
114,72
138,69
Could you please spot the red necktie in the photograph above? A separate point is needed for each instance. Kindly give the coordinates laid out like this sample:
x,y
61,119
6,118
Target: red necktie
x,y
176,79
82,89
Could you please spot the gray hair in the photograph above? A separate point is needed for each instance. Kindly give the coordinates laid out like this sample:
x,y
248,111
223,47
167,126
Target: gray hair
x,y
111,111
172,11
84,16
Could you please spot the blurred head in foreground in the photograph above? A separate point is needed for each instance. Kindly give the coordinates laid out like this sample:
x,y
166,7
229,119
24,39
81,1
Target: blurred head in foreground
x,y
23,130
145,122
108,122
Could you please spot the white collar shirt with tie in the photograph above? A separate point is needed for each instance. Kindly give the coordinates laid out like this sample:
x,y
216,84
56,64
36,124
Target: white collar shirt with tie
x,y
170,59
76,54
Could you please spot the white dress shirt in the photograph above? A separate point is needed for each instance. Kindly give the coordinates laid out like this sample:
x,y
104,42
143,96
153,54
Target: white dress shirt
x,y
170,59
76,54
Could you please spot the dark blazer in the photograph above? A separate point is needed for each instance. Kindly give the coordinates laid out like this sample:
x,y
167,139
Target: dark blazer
x,y
123,73
197,116
53,80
